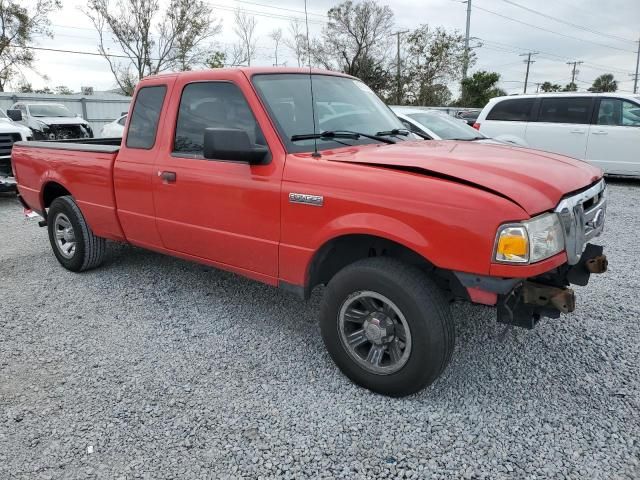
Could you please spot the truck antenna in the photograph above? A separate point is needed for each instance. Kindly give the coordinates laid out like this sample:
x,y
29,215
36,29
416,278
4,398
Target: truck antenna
x,y
315,153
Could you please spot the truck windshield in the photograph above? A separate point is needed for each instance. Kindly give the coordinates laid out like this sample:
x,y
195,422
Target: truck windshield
x,y
341,104
49,110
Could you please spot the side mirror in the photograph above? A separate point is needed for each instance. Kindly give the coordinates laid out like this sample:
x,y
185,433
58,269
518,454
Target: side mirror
x,y
232,144
15,115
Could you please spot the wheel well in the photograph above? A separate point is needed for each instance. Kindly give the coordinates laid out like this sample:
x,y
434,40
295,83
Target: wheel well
x,y
52,190
339,252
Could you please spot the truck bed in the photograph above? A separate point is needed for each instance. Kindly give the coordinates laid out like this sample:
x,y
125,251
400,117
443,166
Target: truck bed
x,y
84,167
106,145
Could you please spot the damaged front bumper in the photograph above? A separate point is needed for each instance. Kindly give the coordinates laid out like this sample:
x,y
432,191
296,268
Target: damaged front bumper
x,y
523,302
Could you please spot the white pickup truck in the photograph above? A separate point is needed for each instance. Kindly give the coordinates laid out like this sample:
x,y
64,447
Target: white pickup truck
x,y
10,132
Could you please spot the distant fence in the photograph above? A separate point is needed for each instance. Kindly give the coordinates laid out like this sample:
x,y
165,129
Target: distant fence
x,y
98,109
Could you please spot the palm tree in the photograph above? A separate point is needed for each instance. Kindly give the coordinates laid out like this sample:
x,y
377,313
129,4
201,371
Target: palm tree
x,y
604,83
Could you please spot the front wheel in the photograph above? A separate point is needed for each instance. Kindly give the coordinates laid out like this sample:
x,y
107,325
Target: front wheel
x,y
387,326
74,244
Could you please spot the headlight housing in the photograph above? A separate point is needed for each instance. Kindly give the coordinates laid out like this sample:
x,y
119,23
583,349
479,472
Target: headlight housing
x,y
529,241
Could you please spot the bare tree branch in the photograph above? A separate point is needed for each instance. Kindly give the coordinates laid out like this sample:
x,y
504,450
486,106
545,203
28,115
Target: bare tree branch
x,y
245,26
152,40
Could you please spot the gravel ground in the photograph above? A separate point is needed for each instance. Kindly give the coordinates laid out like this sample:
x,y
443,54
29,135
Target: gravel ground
x,y
151,367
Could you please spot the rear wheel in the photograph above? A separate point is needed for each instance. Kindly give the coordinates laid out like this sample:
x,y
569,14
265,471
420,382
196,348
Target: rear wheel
x,y
387,326
74,244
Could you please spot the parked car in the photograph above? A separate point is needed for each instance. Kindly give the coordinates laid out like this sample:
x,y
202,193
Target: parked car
x,y
601,128
468,116
52,121
10,132
114,129
232,168
438,126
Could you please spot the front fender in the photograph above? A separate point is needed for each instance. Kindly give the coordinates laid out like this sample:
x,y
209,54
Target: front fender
x,y
373,224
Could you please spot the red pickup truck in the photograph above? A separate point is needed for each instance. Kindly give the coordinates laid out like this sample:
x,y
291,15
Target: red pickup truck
x,y
299,180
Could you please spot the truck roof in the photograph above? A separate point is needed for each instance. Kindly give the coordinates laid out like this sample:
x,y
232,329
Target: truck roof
x,y
248,71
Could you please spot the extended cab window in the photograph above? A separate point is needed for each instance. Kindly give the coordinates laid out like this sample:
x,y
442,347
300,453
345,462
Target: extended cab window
x,y
208,105
565,110
617,112
515,110
144,119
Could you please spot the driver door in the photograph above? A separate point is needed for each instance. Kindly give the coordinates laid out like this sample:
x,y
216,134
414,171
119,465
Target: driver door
x,y
226,212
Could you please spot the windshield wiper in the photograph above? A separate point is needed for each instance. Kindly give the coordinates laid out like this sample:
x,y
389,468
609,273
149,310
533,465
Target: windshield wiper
x,y
340,134
468,139
396,131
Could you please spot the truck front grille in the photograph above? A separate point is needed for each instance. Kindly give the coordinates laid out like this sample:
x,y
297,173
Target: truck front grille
x,y
582,216
6,143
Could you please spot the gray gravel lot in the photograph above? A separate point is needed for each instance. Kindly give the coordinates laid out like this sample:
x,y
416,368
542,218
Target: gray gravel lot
x,y
152,367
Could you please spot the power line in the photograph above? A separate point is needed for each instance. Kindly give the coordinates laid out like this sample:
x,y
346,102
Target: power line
x,y
575,25
96,54
550,31
549,54
281,8
263,14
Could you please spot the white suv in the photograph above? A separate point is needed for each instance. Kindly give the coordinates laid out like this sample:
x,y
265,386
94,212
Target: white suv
x,y
601,128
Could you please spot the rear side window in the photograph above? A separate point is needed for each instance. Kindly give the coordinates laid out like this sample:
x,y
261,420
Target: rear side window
x,y
514,110
565,110
144,118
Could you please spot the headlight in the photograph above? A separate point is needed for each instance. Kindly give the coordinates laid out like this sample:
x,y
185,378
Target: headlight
x,y
529,241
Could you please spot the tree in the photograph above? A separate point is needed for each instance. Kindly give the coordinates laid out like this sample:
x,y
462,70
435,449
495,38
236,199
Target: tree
x,y
435,58
479,88
62,90
25,87
570,87
19,26
245,26
297,41
604,83
216,60
276,36
152,40
550,87
356,40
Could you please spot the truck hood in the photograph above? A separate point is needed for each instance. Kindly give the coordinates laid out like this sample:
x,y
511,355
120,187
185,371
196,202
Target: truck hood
x,y
533,179
62,120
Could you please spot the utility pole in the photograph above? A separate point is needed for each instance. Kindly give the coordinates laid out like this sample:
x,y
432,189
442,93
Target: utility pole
x,y
399,86
635,81
528,61
574,72
465,67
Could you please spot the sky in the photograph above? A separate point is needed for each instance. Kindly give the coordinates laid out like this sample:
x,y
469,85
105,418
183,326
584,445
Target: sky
x,y
601,33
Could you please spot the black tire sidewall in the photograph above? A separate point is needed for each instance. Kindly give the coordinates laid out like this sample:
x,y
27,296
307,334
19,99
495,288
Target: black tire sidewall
x,y
416,297
62,205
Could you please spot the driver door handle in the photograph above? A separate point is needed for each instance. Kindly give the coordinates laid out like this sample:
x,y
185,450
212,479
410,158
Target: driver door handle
x,y
600,132
167,177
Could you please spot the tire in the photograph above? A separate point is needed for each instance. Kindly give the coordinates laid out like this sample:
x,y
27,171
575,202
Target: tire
x,y
410,299
87,251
